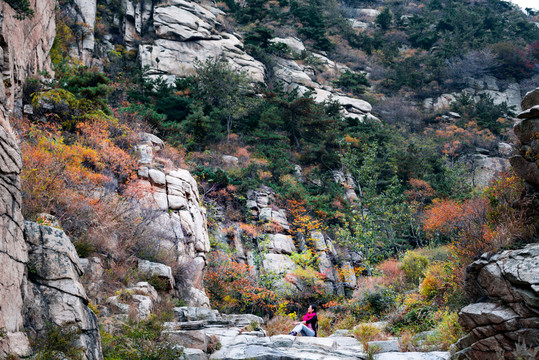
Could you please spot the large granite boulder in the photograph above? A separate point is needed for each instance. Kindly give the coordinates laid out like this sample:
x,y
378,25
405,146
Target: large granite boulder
x,y
486,169
53,292
161,271
506,317
478,88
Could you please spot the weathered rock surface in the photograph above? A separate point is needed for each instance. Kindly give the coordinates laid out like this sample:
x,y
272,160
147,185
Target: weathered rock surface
x,y
477,88
281,244
185,31
530,99
138,301
525,162
487,168
177,220
83,14
294,44
24,51
435,355
53,292
13,251
348,183
161,271
25,47
508,283
305,348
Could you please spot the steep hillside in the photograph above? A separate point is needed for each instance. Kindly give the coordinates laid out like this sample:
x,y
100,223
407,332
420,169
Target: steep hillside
x,y
260,157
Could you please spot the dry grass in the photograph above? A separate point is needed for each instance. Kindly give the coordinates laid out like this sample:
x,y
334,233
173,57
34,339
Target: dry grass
x,y
279,325
367,332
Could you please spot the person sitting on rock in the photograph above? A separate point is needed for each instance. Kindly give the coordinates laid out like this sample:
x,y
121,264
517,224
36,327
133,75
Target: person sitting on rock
x,y
309,325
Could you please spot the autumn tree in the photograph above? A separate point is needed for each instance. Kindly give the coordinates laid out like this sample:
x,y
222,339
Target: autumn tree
x,y
483,223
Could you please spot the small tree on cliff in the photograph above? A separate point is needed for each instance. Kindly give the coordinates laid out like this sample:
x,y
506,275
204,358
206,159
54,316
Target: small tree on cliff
x,y
226,89
22,7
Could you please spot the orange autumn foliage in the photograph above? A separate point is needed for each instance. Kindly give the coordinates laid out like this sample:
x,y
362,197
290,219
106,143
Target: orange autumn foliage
x,y
232,286
456,139
485,223
442,216
66,173
97,132
51,168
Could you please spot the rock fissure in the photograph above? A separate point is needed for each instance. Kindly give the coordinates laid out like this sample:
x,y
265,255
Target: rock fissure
x,y
12,258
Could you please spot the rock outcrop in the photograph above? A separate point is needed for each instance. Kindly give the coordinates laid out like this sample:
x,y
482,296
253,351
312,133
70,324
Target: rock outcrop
x,y
53,293
178,218
194,329
24,49
184,31
526,162
486,168
476,88
83,15
137,301
13,254
506,320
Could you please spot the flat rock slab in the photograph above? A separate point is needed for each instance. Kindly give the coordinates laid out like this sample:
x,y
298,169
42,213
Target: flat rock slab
x,y
385,346
327,343
255,352
435,355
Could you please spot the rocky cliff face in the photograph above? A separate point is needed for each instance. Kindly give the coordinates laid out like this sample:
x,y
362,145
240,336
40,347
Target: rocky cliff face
x,y
504,321
52,290
24,48
170,36
39,281
178,217
527,130
184,31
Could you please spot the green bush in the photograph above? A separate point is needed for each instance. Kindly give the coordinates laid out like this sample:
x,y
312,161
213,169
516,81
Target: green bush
x,y
22,8
84,247
140,340
414,266
58,343
373,303
352,82
485,112
160,284
447,332
31,86
415,319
